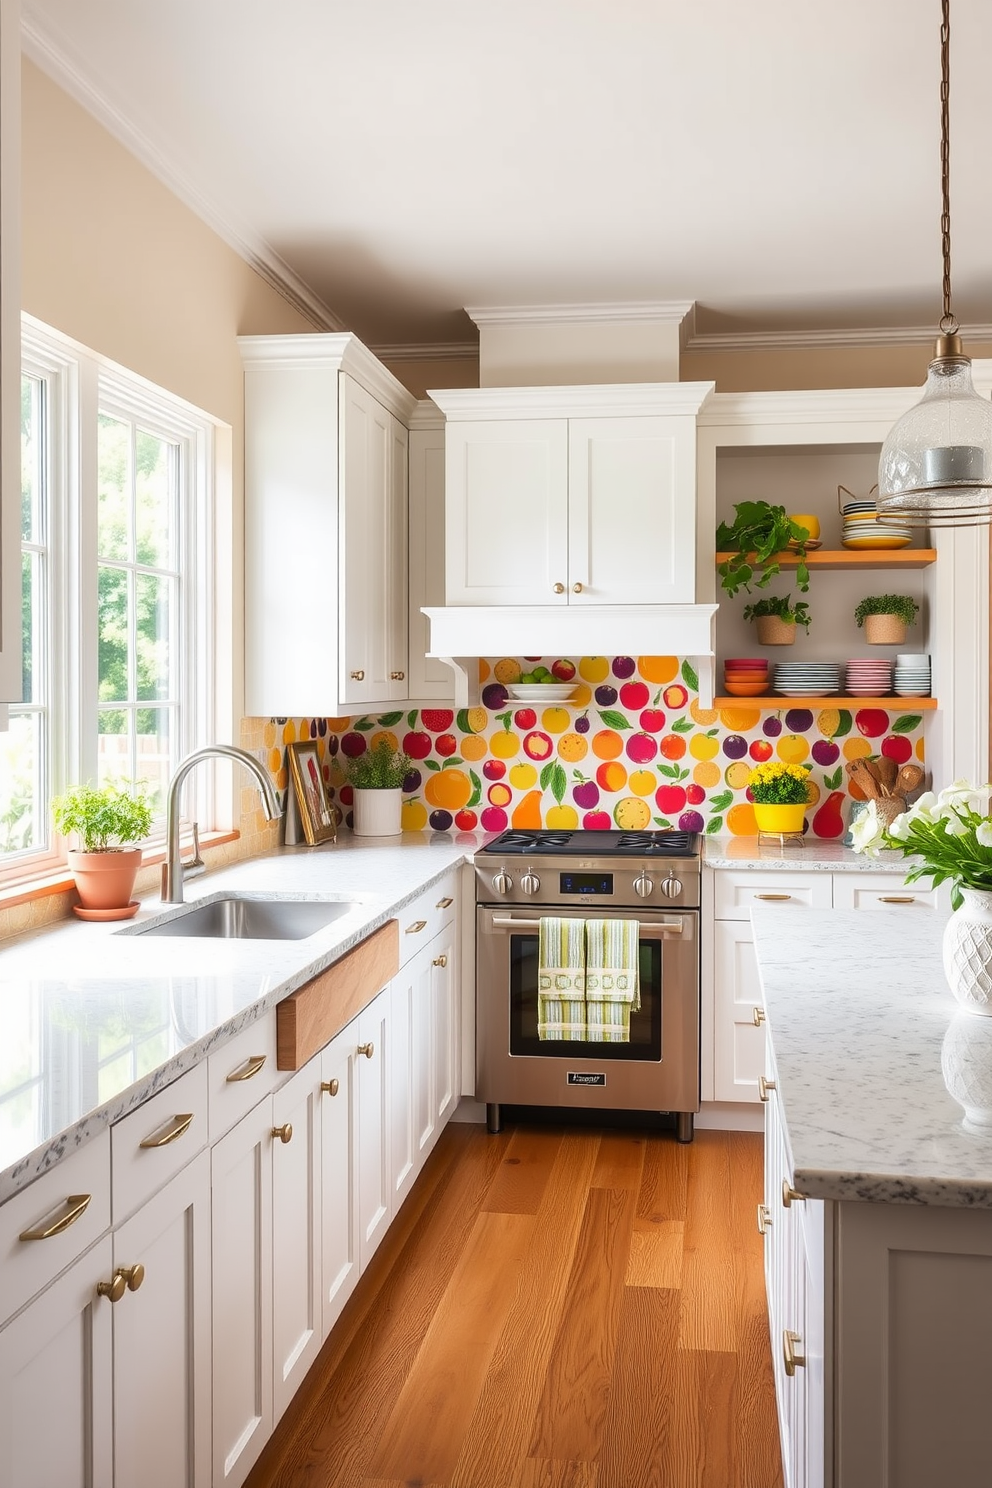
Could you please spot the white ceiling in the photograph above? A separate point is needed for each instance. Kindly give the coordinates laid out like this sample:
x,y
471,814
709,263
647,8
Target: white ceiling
x,y
775,161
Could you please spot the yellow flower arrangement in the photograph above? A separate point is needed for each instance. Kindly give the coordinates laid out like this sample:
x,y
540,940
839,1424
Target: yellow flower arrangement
x,y
777,784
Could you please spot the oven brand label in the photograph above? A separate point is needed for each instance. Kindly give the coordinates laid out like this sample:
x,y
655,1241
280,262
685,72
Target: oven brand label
x,y
574,1077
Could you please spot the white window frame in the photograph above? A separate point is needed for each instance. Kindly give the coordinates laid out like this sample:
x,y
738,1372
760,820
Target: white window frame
x,y
80,385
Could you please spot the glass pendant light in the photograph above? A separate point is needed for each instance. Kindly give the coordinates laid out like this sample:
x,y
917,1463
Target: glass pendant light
x,y
936,464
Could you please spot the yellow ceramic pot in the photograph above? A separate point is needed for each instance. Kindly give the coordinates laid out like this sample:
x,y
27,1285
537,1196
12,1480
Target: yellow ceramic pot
x,y
812,524
779,818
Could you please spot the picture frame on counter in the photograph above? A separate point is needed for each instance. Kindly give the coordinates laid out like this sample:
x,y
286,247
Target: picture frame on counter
x,y
316,813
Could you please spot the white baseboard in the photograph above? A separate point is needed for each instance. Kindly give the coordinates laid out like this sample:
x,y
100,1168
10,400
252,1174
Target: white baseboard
x,y
728,1116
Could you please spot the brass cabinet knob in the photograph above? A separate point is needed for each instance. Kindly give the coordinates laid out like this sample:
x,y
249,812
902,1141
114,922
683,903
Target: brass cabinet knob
x,y
757,1016
367,1049
559,588
358,676
133,1276
764,1219
284,1133
397,676
330,1087
763,1087
440,961
576,588
793,1359
113,1289
791,1195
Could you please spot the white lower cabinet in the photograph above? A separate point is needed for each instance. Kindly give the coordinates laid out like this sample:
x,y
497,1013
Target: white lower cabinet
x,y
297,1312
339,1173
56,1382
375,1206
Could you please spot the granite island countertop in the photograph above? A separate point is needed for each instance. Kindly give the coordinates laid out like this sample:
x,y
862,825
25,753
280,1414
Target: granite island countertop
x,y
94,1019
813,855
862,1028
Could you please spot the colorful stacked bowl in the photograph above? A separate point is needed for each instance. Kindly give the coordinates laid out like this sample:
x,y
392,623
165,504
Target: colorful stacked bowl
x,y
863,530
745,676
911,677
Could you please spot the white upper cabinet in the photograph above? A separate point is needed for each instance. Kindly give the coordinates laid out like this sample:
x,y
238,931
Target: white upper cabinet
x,y
325,527
571,496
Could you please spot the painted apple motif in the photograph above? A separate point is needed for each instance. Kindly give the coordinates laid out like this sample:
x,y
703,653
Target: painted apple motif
x,y
872,722
465,820
695,795
825,752
417,745
440,820
525,718
494,819
641,748
670,798
353,745
538,746
346,795
760,750
634,695
690,821
494,696
652,720
445,744
586,794
500,794
675,696
606,696
624,666
597,821
563,669
897,747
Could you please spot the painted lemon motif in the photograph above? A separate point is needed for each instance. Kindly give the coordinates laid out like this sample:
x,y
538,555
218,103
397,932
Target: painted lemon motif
x,y
581,696
413,816
920,749
594,668
505,745
477,719
856,748
631,814
828,722
555,720
642,783
269,734
792,748
740,820
563,818
658,668
522,776
703,746
483,669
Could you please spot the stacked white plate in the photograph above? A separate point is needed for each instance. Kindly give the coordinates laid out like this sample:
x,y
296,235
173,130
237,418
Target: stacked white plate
x,y
807,678
869,677
912,676
861,530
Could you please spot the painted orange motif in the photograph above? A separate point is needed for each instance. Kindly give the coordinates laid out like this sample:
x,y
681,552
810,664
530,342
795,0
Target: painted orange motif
x,y
658,669
739,720
607,745
451,789
706,774
472,748
289,732
384,735
507,670
705,717
572,747
504,745
483,670
672,746
611,776
555,720
856,748
740,820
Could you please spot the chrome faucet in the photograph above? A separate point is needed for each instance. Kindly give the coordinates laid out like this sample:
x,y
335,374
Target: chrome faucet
x,y
172,868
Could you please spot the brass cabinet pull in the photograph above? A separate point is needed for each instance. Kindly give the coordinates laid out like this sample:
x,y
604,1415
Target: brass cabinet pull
x,y
774,898
367,1049
330,1087
757,1016
77,1205
113,1289
444,903
576,588
793,1359
791,1195
763,1087
397,676
440,961
284,1133
897,898
171,1132
764,1219
416,927
248,1070
358,676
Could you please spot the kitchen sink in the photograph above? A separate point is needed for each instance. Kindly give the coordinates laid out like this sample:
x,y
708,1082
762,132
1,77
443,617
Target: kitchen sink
x,y
237,918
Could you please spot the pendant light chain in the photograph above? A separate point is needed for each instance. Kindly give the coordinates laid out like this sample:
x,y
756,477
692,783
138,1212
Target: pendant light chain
x,y
948,322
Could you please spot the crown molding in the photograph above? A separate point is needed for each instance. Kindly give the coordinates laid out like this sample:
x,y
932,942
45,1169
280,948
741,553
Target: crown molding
x,y
655,311
441,351
824,340
40,44
618,400
329,352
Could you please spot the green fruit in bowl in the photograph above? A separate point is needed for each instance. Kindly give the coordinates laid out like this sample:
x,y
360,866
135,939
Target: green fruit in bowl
x,y
542,674
529,678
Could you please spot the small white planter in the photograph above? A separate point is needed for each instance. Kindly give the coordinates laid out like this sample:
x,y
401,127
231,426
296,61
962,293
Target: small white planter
x,y
967,948
377,813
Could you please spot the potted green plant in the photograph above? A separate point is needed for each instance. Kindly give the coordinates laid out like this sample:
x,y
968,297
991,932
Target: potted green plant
x,y
376,778
780,795
776,618
885,617
107,821
756,536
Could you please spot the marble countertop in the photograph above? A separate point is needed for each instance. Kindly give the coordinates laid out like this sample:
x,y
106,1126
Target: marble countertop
x,y
815,855
868,1045
94,1019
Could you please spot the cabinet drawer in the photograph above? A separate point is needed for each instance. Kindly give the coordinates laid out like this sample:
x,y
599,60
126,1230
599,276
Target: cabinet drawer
x,y
425,916
240,1073
151,1144
735,894
882,891
71,1203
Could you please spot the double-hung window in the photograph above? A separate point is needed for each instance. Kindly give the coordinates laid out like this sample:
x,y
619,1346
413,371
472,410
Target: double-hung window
x,y
118,649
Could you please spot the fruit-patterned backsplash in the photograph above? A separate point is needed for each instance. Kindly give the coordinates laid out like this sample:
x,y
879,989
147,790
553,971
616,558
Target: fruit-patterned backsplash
x,y
632,748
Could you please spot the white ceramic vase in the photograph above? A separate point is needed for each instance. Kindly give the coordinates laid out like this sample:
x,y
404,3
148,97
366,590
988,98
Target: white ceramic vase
x,y
377,813
966,1063
967,949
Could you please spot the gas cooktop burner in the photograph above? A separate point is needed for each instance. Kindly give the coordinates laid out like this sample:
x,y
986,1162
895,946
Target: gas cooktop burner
x,y
597,844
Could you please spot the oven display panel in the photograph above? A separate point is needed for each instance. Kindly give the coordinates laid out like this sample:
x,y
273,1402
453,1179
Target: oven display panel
x,y
589,884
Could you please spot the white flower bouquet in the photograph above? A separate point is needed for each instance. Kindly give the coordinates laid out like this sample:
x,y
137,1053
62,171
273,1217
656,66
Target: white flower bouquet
x,y
950,836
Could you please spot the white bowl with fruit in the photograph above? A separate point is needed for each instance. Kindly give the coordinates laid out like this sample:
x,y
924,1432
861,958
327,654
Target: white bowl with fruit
x,y
541,685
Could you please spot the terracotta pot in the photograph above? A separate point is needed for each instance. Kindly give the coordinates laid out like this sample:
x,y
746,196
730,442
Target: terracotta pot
x,y
773,631
104,880
884,630
779,818
377,813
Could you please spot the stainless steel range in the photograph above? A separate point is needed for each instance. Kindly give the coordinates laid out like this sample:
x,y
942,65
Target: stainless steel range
x,y
649,877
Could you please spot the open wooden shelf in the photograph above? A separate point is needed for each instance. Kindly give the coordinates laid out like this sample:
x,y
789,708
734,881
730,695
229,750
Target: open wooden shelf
x,y
856,558
767,702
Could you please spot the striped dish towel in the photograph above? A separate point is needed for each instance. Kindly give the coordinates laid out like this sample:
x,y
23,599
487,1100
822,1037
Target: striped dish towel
x,y
561,1006
612,986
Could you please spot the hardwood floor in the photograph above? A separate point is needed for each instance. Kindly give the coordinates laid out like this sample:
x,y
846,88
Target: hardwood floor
x,y
552,1308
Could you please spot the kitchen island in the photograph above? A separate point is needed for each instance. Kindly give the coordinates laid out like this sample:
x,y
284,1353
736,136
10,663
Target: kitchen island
x,y
878,1203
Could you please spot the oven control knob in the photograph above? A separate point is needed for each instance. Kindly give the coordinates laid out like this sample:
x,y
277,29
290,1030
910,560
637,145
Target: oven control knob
x,y
643,885
671,887
530,883
502,882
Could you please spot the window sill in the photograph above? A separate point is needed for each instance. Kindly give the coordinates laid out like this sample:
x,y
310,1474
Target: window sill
x,y
61,881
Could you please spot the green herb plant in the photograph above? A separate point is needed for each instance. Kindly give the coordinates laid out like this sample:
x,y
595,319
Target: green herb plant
x,y
379,768
902,605
780,605
104,818
758,533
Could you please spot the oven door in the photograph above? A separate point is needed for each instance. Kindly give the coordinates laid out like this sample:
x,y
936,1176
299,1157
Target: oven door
x,y
657,1069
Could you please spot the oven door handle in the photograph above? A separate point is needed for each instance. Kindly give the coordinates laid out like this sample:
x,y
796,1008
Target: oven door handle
x,y
655,930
